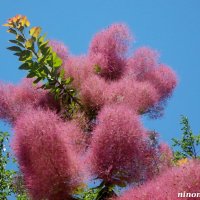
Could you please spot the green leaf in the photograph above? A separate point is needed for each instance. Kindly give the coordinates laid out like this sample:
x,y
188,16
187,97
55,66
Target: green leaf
x,y
68,80
16,42
21,28
62,73
45,49
97,69
57,62
17,54
43,44
25,55
37,80
29,44
15,48
40,40
11,30
35,32
20,38
31,75
59,80
24,66
187,144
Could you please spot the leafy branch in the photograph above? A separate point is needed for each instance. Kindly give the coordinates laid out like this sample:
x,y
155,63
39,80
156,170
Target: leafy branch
x,y
188,144
7,176
42,63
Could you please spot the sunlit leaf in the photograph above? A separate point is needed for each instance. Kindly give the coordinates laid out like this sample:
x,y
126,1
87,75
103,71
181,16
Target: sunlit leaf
x,y
57,62
35,31
25,55
29,44
8,25
24,21
11,30
97,69
68,80
15,18
62,73
40,40
20,38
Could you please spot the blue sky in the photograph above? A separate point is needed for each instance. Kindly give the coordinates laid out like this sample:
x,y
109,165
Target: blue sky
x,y
172,27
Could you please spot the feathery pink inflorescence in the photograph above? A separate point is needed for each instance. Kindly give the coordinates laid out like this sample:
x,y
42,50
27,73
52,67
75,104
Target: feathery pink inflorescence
x,y
144,66
116,88
164,80
76,137
14,100
138,96
8,109
117,146
156,159
108,49
44,152
143,61
185,178
94,91
166,156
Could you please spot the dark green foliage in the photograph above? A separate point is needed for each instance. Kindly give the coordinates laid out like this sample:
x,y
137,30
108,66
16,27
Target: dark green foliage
x,y
9,181
5,174
43,64
188,144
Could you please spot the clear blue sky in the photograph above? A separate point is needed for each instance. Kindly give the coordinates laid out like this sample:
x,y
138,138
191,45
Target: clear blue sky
x,y
172,27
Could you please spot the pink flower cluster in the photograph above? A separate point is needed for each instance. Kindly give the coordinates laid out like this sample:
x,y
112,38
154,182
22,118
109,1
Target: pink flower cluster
x,y
108,49
118,88
43,147
120,150
14,100
108,75
117,144
144,66
185,178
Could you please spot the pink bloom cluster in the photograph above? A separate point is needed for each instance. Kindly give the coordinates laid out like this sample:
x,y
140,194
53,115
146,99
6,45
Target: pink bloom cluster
x,y
108,75
181,179
116,145
116,88
121,151
14,100
44,150
108,49
144,66
140,80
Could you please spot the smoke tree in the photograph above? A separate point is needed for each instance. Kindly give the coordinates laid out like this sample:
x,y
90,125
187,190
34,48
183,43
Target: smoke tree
x,y
77,119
